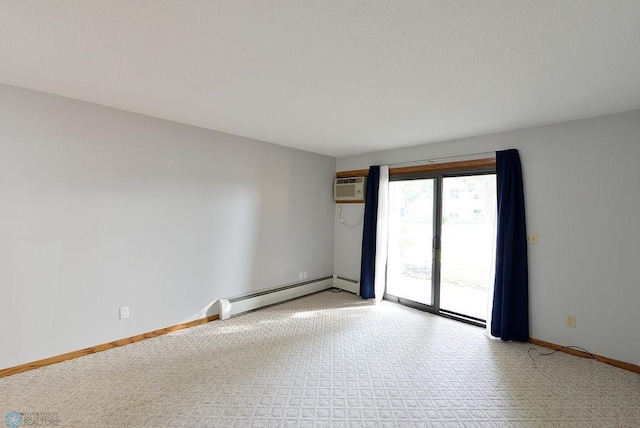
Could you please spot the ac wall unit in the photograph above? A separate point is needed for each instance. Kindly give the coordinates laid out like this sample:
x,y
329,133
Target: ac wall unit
x,y
349,189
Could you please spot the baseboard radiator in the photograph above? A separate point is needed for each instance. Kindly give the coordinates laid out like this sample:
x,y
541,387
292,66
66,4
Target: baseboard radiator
x,y
347,284
259,299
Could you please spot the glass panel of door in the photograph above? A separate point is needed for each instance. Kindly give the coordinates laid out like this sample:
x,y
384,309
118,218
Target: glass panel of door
x,y
411,232
467,256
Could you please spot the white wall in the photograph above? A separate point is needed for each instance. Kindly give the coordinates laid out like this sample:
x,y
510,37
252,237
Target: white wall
x,y
582,198
101,208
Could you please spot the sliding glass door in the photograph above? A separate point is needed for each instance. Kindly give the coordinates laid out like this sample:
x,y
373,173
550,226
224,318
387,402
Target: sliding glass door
x,y
442,243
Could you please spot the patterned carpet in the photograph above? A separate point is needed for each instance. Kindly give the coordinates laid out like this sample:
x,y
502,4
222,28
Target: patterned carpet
x,y
330,359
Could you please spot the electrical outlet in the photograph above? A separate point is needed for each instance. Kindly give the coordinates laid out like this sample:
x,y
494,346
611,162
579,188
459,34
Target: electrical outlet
x,y
532,238
571,321
124,312
305,275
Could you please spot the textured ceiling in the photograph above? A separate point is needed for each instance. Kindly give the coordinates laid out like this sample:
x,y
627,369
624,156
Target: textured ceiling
x,y
333,77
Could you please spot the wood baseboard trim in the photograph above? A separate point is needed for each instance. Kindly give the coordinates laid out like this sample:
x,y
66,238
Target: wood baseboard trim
x,y
616,363
99,348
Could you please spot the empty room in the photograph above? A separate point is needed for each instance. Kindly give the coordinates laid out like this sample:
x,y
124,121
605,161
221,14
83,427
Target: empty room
x,y
319,213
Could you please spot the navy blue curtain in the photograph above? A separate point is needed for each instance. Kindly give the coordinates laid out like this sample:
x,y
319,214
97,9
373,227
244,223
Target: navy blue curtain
x,y
510,316
368,263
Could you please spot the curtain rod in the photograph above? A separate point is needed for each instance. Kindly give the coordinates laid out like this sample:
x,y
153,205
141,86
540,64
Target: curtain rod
x,y
490,155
